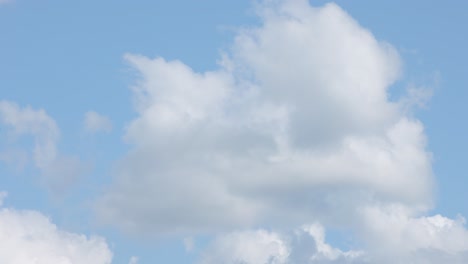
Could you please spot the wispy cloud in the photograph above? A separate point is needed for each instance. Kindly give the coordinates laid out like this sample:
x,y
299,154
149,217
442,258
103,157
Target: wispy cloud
x,y
95,122
58,171
35,123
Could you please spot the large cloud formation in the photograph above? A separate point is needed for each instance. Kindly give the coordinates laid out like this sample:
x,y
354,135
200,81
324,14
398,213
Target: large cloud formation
x,y
29,237
296,126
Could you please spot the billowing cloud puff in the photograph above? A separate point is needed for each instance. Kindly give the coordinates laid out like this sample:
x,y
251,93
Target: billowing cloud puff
x,y
395,236
305,245
396,239
247,247
29,237
295,126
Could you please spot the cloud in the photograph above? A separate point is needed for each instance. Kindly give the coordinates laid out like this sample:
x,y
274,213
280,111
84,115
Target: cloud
x,y
305,245
247,247
58,171
396,238
36,123
133,260
392,232
294,127
29,237
95,122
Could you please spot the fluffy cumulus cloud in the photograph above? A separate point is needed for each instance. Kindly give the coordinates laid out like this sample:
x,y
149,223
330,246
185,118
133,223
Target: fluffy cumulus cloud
x,y
58,171
304,245
30,237
392,236
95,122
295,126
396,236
247,247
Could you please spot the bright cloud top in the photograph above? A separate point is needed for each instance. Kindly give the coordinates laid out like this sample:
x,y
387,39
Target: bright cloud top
x,y
30,237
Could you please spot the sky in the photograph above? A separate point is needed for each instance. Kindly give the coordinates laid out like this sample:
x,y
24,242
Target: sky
x,y
238,132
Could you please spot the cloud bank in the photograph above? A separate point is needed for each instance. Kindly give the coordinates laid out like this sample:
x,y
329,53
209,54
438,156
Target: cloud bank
x,y
295,126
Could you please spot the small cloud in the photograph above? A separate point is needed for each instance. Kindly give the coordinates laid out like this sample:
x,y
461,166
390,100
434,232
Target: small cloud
x,y
95,123
133,260
57,170
416,97
26,121
419,95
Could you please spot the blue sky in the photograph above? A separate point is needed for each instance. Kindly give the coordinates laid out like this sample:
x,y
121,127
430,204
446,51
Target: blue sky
x,y
233,125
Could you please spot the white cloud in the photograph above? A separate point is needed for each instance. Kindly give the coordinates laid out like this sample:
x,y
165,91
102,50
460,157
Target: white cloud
x,y
29,237
297,127
58,171
393,237
305,245
294,127
94,122
393,232
247,247
63,173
